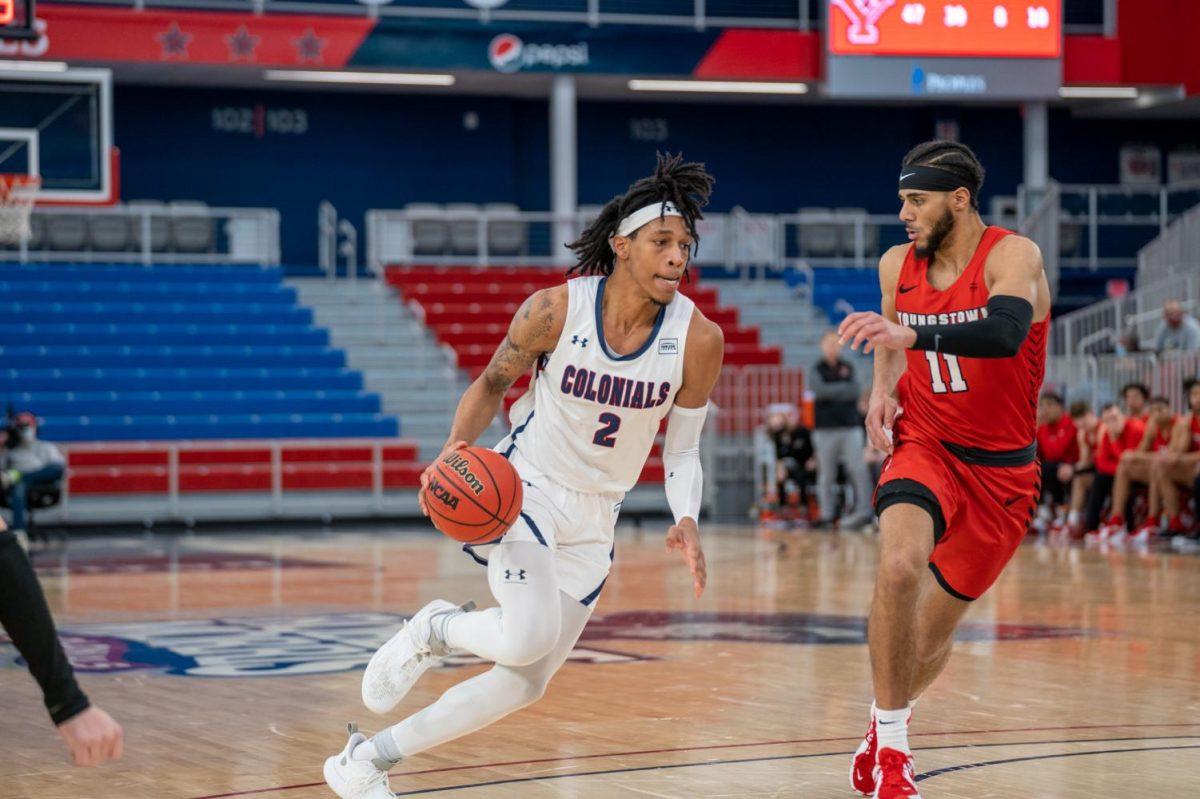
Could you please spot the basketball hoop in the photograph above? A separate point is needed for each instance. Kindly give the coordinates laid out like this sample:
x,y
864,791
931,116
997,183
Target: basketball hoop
x,y
17,193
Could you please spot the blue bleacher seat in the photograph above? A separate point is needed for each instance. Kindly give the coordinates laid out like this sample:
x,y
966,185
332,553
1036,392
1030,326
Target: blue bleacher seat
x,y
119,333
167,356
154,312
123,352
58,291
175,379
145,428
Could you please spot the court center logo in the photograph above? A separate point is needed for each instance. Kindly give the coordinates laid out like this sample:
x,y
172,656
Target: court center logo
x,y
273,646
509,53
863,15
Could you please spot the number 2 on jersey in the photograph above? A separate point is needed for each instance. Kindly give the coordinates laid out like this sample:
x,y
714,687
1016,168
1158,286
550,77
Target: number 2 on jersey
x,y
957,384
607,436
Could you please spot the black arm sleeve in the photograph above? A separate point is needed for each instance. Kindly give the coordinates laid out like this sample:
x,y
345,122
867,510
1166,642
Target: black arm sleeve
x,y
26,618
999,335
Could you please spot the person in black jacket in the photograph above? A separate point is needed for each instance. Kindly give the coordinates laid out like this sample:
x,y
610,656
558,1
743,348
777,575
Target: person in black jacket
x,y
91,735
794,464
838,434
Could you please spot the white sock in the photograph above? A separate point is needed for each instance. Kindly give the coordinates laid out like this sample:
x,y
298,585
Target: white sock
x,y
364,751
891,728
1073,517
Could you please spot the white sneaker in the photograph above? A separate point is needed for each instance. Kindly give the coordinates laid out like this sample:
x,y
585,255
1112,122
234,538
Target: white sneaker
x,y
398,664
356,779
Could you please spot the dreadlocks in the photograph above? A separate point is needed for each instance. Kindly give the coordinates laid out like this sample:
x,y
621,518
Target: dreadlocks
x,y
685,185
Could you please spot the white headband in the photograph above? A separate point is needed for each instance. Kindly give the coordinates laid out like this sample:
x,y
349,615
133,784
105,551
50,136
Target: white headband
x,y
643,215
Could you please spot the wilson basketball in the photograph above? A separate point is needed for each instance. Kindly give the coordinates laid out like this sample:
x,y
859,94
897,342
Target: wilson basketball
x,y
473,495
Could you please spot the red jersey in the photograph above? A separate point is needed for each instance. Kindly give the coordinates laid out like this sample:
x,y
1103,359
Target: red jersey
x,y
1194,441
1162,436
986,403
1058,442
1109,450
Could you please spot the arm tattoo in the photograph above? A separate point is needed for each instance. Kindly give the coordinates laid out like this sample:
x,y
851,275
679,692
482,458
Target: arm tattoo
x,y
512,359
506,366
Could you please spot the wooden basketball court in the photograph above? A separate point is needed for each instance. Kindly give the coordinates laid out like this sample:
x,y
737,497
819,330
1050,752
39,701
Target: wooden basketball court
x,y
234,662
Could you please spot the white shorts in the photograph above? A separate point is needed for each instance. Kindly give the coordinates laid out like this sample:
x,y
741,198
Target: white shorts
x,y
577,526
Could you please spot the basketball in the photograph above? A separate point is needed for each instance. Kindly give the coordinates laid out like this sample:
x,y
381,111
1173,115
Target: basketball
x,y
474,495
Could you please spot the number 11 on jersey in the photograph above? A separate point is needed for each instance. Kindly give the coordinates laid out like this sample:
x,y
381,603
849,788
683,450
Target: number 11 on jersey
x,y
957,384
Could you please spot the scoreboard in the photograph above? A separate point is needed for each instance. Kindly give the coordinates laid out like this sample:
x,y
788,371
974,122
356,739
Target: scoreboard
x,y
16,19
987,49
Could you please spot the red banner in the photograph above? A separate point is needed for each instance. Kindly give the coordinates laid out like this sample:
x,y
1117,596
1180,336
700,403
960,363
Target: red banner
x,y
87,33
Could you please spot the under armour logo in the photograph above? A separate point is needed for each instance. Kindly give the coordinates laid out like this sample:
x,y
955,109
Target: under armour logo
x,y
580,340
517,576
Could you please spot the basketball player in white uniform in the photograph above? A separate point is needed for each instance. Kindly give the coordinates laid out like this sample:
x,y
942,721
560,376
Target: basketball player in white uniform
x,y
615,352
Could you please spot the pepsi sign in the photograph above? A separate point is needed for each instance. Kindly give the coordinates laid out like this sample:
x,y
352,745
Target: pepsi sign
x,y
509,53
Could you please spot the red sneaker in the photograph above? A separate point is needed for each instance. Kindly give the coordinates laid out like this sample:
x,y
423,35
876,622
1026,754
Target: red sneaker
x,y
1147,531
895,777
862,768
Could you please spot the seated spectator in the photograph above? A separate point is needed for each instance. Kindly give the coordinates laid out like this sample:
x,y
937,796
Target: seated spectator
x,y
1135,396
29,463
1178,332
794,470
1134,469
1118,433
1087,427
1058,450
1177,466
1128,342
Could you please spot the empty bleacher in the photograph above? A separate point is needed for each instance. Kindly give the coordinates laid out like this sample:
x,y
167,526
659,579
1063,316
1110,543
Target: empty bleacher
x,y
109,353
469,309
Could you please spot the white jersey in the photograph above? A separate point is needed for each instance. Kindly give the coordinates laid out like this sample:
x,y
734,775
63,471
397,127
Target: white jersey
x,y
590,417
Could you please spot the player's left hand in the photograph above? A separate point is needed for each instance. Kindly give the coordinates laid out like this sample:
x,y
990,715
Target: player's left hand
x,y
1065,472
873,331
685,537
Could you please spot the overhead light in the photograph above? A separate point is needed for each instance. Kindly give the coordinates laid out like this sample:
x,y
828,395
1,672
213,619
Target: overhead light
x,y
1098,92
374,78
34,66
717,86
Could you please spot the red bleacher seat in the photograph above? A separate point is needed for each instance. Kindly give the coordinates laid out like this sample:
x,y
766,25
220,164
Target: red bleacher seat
x,y
144,468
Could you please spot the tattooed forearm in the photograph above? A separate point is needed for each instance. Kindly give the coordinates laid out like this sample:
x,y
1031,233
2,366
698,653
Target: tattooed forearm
x,y
533,331
508,363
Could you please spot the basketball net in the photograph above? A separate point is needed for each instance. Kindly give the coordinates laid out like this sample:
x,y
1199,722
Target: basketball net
x,y
17,193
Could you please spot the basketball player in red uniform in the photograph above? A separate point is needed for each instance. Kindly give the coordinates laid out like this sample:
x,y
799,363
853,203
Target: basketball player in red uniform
x,y
1087,423
1179,464
960,351
1134,467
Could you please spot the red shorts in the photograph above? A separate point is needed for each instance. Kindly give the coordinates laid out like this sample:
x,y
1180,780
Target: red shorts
x,y
981,507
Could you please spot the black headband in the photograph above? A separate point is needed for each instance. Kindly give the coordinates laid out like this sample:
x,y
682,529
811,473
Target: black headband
x,y
932,178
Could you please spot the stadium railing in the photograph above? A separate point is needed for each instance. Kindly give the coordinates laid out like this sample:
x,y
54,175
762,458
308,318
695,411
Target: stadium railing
x,y
153,232
1175,251
1072,224
1099,378
1097,327
1081,16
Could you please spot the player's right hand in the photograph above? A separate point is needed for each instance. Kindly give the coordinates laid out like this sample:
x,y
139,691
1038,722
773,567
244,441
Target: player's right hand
x,y
92,737
428,474
881,416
